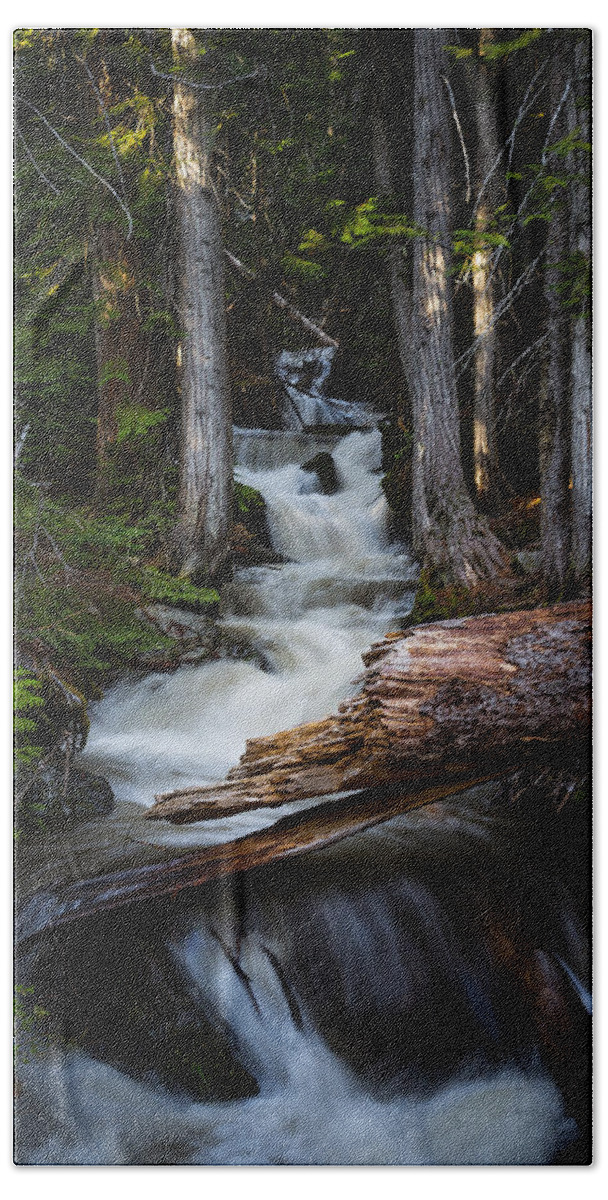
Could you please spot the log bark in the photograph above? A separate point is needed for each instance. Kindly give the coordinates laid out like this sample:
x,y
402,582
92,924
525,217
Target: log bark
x,y
442,708
434,703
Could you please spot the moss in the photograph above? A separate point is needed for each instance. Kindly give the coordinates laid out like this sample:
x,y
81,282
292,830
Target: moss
x,y
433,603
397,467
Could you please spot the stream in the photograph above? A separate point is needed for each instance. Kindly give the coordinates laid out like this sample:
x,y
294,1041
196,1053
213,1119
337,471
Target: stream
x,y
379,1001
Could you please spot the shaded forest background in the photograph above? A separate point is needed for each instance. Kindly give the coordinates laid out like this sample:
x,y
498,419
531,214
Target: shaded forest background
x,y
422,198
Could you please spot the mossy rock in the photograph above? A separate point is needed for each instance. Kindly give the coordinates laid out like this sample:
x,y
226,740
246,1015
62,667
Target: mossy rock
x,y
48,802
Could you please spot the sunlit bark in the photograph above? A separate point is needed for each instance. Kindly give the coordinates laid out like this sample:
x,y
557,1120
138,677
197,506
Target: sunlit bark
x,y
205,493
448,535
487,192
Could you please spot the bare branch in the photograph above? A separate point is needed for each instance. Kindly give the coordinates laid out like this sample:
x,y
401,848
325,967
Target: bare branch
x,y
79,159
106,117
463,361
35,165
524,108
521,357
282,303
467,169
259,73
21,441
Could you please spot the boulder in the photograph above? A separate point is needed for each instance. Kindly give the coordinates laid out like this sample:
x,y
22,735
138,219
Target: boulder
x,y
324,467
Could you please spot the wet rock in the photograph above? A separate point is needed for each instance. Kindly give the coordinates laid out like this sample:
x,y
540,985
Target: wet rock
x,y
180,623
324,468
131,1005
49,800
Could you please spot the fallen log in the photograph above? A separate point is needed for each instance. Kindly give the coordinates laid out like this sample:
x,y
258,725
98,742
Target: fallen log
x,y
434,701
312,829
442,708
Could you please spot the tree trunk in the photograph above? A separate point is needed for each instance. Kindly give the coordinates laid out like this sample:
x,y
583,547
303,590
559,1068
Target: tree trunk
x,y
118,349
487,193
452,540
206,470
441,708
400,298
581,374
554,428
445,702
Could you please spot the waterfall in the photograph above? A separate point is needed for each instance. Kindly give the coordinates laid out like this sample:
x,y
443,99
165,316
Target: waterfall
x,y
304,374
308,620
364,987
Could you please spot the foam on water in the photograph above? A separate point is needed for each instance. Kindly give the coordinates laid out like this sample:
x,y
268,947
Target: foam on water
x,y
357,932
344,585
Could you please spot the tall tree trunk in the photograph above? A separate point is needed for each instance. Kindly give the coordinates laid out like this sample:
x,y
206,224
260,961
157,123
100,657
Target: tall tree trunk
x,y
118,339
118,348
401,303
449,536
487,195
206,471
554,430
581,405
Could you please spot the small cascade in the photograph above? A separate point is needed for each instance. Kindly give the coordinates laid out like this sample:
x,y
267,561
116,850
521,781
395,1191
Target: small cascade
x,y
304,374
357,986
342,586
379,992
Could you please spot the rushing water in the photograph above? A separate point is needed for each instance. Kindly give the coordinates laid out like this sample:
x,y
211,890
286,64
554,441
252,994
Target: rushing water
x,y
368,991
307,620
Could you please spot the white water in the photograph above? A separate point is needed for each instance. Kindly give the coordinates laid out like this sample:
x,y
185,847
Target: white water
x,y
310,1109
309,620
363,929
353,930
304,374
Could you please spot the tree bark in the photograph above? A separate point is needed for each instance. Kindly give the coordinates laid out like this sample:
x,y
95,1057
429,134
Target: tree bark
x,y
487,193
118,348
554,428
206,470
581,371
434,703
441,708
452,540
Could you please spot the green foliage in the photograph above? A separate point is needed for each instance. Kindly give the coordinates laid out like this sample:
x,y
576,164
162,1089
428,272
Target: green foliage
x,y
574,288
301,267
493,51
367,223
26,699
170,589
436,603
135,421
247,498
81,578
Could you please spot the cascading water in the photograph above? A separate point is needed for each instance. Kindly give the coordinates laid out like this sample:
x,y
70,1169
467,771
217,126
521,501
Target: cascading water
x,y
309,620
359,986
